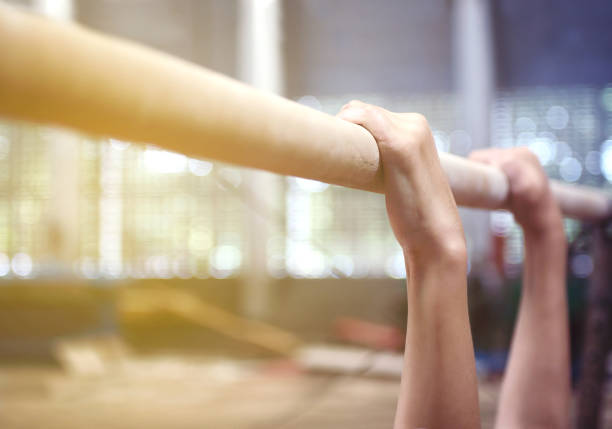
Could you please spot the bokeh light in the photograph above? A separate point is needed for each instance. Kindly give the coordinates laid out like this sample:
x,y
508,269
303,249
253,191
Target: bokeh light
x,y
5,265
570,169
22,264
544,149
606,160
396,266
592,162
581,265
460,142
557,117
606,98
162,161
310,101
501,222
200,168
311,185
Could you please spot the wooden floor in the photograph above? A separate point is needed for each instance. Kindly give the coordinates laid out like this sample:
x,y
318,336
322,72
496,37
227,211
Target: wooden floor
x,y
179,392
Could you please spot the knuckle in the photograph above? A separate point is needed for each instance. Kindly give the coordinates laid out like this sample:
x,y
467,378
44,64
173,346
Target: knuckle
x,y
357,104
373,113
420,127
527,154
379,124
376,114
420,120
421,137
454,247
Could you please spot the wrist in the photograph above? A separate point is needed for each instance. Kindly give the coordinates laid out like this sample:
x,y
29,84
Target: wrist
x,y
439,285
447,256
549,239
546,224
542,220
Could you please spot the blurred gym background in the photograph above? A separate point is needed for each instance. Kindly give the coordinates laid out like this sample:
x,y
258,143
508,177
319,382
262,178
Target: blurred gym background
x,y
139,286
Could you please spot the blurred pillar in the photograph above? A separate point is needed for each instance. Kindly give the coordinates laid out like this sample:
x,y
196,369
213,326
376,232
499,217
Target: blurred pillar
x,y
260,64
474,67
474,83
598,332
64,204
62,10
64,150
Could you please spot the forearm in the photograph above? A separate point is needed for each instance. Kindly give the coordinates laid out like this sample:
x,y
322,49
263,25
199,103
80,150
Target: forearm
x,y
540,349
544,274
438,388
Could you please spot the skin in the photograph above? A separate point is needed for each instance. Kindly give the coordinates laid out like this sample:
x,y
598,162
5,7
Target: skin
x,y
438,387
536,389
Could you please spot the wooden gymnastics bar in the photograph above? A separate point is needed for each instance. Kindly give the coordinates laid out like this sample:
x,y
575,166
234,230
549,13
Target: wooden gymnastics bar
x,y
62,74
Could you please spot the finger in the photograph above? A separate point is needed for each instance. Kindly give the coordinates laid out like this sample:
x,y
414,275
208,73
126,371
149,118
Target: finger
x,y
405,115
353,104
514,172
492,156
483,156
370,117
358,104
352,114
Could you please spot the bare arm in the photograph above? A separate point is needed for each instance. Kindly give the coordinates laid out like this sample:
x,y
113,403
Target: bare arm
x,y
438,386
536,388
